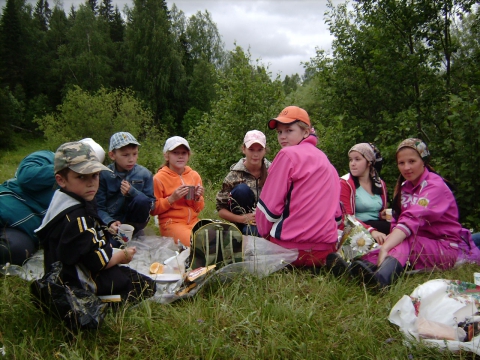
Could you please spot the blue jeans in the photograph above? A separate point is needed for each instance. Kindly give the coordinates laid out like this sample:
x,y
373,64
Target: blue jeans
x,y
15,246
243,202
476,239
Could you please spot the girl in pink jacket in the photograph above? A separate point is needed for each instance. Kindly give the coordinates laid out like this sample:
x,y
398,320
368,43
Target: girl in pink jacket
x,y
299,202
425,231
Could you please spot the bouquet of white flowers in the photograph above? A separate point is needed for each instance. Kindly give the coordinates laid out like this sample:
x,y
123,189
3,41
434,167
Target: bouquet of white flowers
x,y
356,240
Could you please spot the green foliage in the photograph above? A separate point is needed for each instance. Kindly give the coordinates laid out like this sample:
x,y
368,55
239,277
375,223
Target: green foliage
x,y
462,146
85,59
151,151
190,119
98,116
12,50
154,62
10,115
403,88
247,99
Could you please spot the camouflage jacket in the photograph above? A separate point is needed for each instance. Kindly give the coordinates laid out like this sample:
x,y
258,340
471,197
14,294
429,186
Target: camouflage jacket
x,y
238,174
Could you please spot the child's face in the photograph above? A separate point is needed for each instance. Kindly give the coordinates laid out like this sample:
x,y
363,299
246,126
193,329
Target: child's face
x,y
290,134
177,159
358,165
125,158
85,186
254,154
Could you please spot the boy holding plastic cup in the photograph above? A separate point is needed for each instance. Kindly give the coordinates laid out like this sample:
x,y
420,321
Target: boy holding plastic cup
x,y
72,232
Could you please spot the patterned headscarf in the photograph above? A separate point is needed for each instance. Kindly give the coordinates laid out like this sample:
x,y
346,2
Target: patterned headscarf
x,y
416,144
367,151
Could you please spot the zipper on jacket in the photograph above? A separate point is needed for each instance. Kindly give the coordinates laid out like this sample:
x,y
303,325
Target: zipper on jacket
x,y
188,207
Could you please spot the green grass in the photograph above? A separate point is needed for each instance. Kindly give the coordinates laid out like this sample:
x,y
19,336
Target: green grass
x,y
9,159
291,314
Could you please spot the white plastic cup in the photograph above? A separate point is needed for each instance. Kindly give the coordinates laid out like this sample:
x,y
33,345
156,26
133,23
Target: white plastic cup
x,y
476,278
125,231
388,214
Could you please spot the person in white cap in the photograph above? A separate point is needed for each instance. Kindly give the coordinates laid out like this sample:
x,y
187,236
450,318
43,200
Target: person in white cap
x,y
179,192
241,188
24,200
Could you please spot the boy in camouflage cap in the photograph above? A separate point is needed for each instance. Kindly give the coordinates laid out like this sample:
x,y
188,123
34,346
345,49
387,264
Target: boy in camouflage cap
x,y
72,232
125,195
79,157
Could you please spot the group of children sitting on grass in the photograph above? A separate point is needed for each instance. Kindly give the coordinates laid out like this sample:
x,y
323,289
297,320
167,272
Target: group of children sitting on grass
x,y
295,202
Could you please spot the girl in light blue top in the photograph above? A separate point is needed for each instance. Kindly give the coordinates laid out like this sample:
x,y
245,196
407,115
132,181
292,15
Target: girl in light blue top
x,y
363,193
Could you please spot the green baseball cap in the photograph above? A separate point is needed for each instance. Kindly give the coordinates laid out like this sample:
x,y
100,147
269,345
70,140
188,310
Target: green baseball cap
x,y
79,157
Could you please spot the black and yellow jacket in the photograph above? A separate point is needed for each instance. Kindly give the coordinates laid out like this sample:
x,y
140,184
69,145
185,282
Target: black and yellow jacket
x,y
71,232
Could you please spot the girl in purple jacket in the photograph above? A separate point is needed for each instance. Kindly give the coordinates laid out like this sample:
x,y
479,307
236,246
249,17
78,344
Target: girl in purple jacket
x,y
425,231
299,202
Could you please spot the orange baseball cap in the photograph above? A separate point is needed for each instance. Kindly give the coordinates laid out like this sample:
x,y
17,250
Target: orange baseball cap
x,y
289,115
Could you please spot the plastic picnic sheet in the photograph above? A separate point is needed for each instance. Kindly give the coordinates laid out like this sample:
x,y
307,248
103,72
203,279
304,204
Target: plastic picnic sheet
x,y
261,257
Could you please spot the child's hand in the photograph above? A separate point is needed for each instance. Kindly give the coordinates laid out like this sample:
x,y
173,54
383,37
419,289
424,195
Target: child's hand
x,y
199,190
179,193
113,228
125,187
128,254
123,256
383,214
249,219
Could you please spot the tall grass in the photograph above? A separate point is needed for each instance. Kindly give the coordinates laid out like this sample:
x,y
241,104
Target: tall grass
x,y
291,314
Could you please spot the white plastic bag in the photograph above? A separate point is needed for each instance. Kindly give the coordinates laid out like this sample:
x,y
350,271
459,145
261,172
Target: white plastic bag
x,y
440,301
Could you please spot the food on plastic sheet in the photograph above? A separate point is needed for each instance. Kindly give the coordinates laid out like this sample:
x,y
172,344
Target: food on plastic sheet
x,y
186,290
197,273
156,268
428,329
110,298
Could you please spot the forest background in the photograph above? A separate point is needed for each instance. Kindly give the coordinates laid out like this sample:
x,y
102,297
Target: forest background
x,y
396,69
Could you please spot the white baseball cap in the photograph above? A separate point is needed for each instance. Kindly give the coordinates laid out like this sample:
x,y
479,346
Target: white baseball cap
x,y
174,142
254,136
96,147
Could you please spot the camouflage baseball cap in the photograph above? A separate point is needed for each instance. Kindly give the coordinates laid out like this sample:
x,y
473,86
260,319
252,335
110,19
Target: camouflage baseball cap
x,y
79,157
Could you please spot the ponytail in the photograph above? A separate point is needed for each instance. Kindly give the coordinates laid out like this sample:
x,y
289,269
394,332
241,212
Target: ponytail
x,y
397,198
263,174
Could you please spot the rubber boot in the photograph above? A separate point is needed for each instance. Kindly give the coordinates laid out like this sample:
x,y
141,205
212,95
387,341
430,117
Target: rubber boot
x,y
387,273
363,270
336,264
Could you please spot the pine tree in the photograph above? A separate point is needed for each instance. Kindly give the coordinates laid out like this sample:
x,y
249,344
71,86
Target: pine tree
x,y
93,5
12,59
106,10
117,26
42,14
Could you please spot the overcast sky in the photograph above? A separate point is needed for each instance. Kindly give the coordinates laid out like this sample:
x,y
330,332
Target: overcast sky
x,y
282,33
